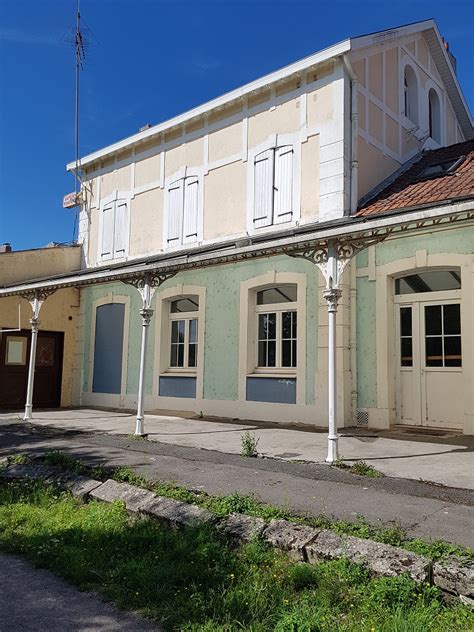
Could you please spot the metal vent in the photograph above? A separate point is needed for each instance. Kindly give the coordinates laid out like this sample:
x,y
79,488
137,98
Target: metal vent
x,y
362,417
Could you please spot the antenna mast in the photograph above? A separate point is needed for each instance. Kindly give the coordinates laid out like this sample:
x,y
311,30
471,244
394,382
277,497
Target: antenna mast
x,y
80,56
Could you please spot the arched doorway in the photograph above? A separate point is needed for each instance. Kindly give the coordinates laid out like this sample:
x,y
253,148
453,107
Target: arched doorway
x,y
429,362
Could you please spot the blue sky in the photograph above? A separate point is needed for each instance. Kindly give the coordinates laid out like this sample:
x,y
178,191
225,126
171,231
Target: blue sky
x,y
150,60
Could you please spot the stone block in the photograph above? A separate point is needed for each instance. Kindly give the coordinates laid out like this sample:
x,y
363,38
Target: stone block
x,y
79,486
454,577
380,559
27,470
175,513
133,497
290,537
240,528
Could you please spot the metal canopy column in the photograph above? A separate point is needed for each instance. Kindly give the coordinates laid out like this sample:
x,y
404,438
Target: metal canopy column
x,y
331,257
146,287
36,300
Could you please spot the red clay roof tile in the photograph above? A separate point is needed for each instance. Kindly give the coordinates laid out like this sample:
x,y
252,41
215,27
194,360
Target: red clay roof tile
x,y
408,191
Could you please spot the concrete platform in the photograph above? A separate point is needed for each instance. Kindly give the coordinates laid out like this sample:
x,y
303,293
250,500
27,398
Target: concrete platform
x,y
446,460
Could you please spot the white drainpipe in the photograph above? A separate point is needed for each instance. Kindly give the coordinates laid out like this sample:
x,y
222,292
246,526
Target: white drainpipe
x,y
353,339
354,135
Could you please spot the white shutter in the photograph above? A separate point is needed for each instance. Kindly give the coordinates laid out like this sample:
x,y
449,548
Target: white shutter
x,y
263,189
190,215
107,231
120,229
283,195
175,212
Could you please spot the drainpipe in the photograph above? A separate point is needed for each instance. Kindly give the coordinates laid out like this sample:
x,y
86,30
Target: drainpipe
x,y
354,134
353,339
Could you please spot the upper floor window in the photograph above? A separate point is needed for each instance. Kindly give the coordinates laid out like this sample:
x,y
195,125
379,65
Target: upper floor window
x,y
273,186
183,211
114,230
410,94
184,333
434,114
277,327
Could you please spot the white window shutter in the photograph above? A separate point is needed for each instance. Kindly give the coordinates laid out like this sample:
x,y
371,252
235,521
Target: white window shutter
x,y
263,189
121,228
283,195
107,231
190,215
175,212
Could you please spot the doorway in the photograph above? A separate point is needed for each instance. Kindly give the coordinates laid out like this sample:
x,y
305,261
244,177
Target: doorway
x,y
14,363
429,375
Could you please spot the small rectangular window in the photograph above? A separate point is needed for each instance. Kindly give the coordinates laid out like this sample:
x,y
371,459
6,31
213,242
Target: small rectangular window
x,y
406,340
15,350
279,294
443,335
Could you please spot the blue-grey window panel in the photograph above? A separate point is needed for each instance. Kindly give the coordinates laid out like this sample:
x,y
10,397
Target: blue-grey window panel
x,y
177,386
278,390
108,347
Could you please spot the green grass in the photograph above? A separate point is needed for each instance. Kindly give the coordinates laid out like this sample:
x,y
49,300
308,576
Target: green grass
x,y
240,503
191,580
249,443
361,468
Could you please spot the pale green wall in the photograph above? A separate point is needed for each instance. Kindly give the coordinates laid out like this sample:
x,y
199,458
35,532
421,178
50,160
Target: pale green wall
x,y
366,349
221,352
458,241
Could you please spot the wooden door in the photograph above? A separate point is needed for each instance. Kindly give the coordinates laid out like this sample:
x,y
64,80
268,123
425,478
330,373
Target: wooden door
x,y
14,362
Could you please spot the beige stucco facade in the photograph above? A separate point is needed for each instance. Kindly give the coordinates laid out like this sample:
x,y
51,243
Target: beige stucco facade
x,y
58,313
307,113
387,138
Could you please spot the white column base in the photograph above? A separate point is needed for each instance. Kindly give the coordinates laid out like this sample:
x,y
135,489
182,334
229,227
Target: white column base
x,y
333,453
140,427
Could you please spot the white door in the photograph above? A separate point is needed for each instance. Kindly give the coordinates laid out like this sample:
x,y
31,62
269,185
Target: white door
x,y
429,386
429,379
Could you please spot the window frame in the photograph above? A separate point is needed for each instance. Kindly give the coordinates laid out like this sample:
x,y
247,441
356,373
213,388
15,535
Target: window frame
x,y
406,63
278,309
273,142
187,317
183,174
162,357
248,333
113,198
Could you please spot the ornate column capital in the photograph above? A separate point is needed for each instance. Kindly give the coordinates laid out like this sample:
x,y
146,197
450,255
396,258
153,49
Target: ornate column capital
x,y
147,314
332,296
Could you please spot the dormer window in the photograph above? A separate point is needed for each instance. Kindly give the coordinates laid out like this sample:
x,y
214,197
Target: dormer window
x,y
410,94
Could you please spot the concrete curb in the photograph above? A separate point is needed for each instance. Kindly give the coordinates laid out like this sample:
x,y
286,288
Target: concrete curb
x,y
301,542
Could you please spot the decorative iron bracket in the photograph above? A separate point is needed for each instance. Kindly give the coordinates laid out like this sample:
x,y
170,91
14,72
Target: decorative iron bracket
x,y
36,298
147,284
331,256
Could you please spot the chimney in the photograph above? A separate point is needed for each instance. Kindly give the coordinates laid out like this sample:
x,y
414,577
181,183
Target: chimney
x,y
5,248
452,58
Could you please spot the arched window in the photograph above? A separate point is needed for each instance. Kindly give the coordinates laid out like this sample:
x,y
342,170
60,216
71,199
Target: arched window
x,y
411,94
434,115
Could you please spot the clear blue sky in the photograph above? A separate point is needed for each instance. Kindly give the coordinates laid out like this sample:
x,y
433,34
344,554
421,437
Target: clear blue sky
x,y
152,59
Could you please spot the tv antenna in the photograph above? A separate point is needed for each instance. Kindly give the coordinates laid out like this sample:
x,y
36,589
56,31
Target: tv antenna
x,y
79,37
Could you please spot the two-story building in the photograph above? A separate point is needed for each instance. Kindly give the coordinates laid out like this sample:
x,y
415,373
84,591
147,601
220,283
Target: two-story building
x,y
248,222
